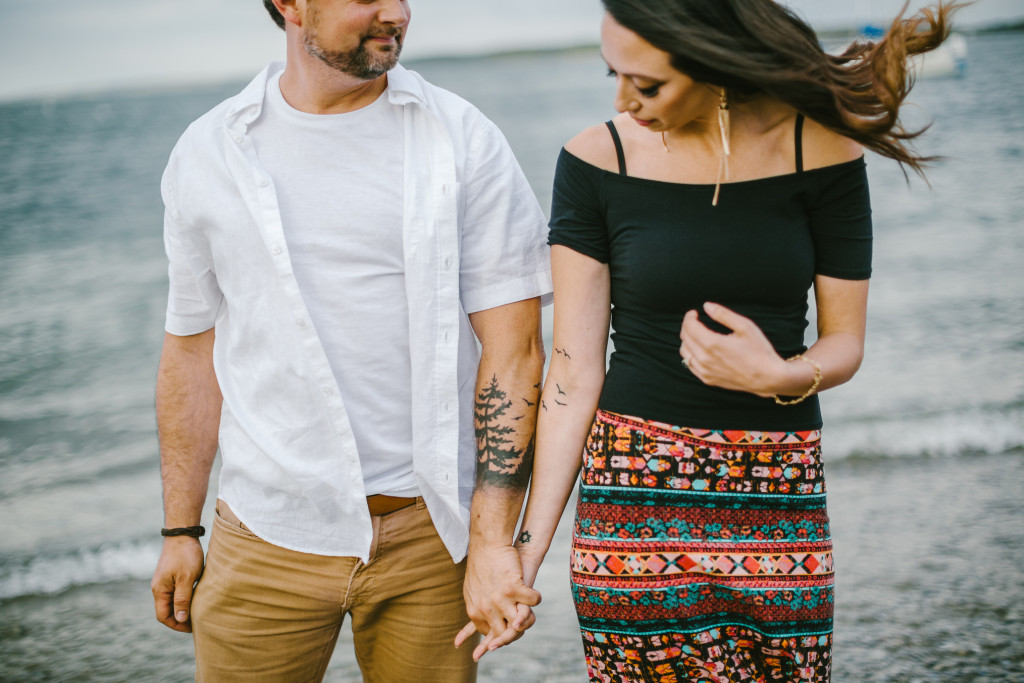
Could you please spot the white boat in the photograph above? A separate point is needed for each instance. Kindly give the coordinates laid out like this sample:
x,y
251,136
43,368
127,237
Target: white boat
x,y
948,61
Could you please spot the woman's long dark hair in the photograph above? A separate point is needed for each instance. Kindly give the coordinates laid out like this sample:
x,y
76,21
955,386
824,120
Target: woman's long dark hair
x,y
760,48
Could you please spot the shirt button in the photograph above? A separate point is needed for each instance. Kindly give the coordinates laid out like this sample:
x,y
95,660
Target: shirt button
x,y
300,322
447,262
446,406
236,137
263,182
446,336
277,249
327,391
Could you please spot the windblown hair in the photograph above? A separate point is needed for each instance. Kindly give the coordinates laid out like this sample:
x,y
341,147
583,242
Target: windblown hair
x,y
758,48
274,14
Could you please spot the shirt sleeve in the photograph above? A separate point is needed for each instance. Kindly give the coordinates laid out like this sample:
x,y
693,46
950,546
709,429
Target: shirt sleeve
x,y
194,297
840,215
577,221
503,257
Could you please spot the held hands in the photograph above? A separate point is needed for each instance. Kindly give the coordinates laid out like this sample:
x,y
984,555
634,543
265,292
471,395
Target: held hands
x,y
180,566
742,361
497,599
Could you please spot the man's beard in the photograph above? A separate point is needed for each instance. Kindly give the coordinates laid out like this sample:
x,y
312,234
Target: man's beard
x,y
359,62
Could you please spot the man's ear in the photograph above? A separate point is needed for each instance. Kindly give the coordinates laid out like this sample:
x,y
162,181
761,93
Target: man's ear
x,y
291,10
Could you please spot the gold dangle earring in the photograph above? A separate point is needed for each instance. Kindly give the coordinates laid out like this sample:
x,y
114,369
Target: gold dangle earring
x,y
723,129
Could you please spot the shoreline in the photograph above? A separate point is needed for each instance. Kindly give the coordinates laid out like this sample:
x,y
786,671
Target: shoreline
x,y
930,587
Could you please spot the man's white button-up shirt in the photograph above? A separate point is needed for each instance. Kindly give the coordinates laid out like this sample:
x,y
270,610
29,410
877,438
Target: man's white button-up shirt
x,y
290,469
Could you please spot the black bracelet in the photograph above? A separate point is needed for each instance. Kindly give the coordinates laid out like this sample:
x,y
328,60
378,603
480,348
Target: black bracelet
x,y
193,531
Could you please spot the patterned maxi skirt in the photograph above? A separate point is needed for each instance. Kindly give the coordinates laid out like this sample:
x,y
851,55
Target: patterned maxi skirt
x,y
702,555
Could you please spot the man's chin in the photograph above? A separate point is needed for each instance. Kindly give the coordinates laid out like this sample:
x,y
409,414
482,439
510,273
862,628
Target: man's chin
x,y
387,60
384,65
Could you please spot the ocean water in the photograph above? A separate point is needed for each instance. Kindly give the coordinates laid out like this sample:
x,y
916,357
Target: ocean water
x,y
925,447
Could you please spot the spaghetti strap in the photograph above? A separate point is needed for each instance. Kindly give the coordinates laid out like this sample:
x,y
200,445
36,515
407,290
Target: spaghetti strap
x,y
618,147
799,143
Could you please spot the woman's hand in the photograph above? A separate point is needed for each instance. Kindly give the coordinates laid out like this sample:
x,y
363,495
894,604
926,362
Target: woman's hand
x,y
742,361
531,557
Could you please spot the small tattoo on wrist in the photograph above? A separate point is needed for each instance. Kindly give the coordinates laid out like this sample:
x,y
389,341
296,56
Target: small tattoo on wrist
x,y
525,537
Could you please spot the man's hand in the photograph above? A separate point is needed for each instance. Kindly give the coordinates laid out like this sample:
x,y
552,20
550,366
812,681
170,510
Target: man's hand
x,y
180,566
497,599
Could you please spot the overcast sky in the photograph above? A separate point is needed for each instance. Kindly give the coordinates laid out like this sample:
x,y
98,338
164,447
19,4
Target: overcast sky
x,y
60,46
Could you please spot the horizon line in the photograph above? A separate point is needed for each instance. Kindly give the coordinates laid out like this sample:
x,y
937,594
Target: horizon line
x,y
191,82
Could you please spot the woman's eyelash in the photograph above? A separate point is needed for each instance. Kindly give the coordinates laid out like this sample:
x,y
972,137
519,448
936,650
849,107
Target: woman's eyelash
x,y
646,92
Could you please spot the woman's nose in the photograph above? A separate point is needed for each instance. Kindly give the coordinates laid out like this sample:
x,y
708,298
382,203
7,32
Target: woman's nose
x,y
624,101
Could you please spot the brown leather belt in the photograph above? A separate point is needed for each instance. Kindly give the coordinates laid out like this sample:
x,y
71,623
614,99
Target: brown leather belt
x,y
378,504
382,505
228,516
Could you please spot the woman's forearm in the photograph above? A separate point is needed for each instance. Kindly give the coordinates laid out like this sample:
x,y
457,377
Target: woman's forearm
x,y
568,404
569,400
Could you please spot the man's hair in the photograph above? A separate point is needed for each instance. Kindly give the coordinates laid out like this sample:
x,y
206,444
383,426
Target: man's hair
x,y
274,14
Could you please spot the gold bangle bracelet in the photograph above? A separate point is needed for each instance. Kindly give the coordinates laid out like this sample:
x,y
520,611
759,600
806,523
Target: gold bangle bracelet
x,y
814,384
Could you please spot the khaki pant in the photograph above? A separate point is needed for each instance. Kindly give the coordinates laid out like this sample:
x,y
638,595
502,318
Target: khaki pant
x,y
263,613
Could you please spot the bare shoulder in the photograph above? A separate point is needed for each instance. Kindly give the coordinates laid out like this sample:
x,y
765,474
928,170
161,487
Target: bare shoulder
x,y
594,145
823,147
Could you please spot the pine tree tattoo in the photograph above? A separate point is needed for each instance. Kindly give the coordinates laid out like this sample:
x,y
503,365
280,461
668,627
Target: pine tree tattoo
x,y
499,462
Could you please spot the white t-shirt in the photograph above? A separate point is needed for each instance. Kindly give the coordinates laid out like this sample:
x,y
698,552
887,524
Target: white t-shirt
x,y
340,185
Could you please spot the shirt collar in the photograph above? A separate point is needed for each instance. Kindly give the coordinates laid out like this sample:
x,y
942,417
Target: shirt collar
x,y
403,88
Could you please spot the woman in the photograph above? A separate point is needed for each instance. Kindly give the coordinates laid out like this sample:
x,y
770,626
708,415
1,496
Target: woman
x,y
695,222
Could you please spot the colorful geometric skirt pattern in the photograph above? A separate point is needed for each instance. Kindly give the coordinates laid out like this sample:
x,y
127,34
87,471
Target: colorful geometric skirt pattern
x,y
702,555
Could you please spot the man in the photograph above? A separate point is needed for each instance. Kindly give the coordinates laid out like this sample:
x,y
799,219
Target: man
x,y
337,233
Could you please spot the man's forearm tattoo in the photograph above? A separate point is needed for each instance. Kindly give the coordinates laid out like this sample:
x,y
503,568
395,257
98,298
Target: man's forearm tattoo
x,y
499,461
